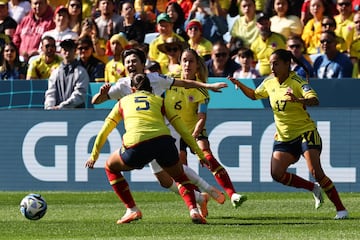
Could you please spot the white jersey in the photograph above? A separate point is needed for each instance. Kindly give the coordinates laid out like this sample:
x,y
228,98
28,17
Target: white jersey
x,y
159,83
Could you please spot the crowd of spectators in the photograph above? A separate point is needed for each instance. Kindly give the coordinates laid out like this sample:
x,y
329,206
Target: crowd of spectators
x,y
324,34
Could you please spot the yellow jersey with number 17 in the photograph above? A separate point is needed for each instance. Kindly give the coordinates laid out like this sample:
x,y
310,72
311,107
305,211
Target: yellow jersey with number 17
x,y
291,118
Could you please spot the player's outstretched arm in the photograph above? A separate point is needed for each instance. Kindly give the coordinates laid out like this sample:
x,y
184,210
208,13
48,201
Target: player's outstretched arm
x,y
249,92
102,95
216,87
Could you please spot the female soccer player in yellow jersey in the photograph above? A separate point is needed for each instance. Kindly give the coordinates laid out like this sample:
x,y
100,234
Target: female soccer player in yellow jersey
x,y
296,132
146,138
191,105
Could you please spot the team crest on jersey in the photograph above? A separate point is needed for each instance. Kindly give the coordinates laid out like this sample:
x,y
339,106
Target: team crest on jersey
x,y
306,87
191,98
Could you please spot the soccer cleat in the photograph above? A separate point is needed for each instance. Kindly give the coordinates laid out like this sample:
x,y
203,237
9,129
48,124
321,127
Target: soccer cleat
x,y
130,216
319,200
217,195
344,214
196,217
237,199
202,205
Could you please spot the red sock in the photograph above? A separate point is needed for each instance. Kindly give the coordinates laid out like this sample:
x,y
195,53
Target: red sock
x,y
120,187
220,174
294,180
186,190
330,190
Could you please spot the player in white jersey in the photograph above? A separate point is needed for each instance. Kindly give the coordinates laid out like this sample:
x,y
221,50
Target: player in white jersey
x,y
134,63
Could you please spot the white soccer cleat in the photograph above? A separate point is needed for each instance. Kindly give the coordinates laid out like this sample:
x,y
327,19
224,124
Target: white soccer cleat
x,y
217,195
202,204
344,214
237,199
130,215
196,216
319,200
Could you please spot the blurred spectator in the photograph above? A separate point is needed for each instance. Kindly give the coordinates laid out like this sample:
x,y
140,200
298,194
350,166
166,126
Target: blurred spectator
x,y
344,22
312,29
246,70
245,26
115,69
18,9
90,29
332,63
42,67
294,7
94,67
177,16
7,23
265,44
208,13
283,22
68,84
132,28
145,10
165,29
29,31
329,24
306,15
108,22
152,66
75,15
201,45
61,30
355,46
220,64
296,46
185,5
173,48
11,68
234,46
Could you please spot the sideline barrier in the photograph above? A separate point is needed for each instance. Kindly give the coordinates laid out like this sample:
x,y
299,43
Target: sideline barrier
x,y
332,93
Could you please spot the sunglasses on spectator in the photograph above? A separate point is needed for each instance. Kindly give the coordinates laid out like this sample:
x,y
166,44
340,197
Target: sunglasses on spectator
x,y
325,41
74,5
50,46
294,46
172,49
83,48
218,55
193,28
344,4
328,24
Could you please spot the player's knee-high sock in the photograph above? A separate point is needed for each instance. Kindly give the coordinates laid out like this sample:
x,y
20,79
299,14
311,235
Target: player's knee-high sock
x,y
174,188
294,180
186,190
220,174
196,179
120,187
330,190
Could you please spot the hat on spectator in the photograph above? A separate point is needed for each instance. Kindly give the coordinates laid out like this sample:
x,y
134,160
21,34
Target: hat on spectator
x,y
4,2
194,23
68,44
60,8
163,17
262,16
171,42
119,38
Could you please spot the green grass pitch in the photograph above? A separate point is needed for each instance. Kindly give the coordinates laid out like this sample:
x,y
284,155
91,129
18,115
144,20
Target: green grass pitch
x,y
92,215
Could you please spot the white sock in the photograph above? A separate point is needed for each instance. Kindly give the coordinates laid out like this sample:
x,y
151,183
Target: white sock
x,y
196,179
174,188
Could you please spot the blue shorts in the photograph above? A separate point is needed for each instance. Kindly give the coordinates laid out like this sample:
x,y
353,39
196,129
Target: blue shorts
x,y
162,149
306,141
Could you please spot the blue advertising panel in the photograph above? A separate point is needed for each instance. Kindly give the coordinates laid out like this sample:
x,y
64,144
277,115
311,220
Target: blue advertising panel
x,y
47,150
